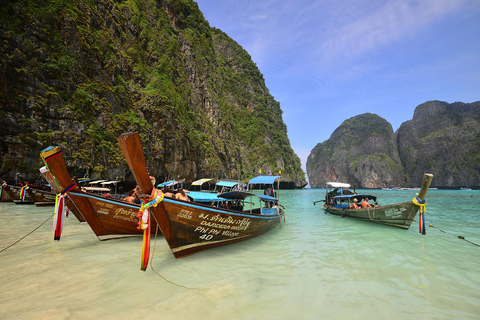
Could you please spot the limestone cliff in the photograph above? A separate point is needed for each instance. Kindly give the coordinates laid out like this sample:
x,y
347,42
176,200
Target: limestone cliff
x,y
79,73
443,139
361,151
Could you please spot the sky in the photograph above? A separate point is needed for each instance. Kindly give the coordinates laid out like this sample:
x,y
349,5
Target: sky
x,y
326,61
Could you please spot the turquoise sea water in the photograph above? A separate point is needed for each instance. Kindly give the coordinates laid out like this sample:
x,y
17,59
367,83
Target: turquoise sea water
x,y
316,266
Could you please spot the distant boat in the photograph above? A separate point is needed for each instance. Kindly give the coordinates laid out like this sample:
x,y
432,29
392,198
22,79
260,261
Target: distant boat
x,y
190,227
339,200
17,194
40,197
465,189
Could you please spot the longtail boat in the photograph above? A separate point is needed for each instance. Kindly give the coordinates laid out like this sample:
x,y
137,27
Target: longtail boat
x,y
41,198
6,193
109,218
17,194
53,184
190,227
340,200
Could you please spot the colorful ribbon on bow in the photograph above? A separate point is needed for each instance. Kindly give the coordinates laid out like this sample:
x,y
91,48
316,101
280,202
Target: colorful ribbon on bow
x,y
23,191
145,224
60,211
58,217
421,214
2,191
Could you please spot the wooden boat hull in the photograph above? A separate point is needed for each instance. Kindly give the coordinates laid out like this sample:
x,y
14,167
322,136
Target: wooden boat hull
x,y
194,227
398,215
118,218
42,198
109,218
190,227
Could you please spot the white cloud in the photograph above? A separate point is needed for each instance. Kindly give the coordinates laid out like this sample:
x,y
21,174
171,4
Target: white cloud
x,y
395,20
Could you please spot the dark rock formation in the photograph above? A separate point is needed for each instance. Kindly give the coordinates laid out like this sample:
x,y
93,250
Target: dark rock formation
x,y
361,151
79,73
443,139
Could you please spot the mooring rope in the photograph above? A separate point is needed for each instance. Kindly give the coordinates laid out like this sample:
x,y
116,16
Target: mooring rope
x,y
373,211
27,234
151,265
459,237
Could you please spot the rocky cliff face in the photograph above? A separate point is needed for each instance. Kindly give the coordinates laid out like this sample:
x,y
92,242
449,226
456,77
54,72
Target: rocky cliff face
x,y
79,73
361,151
442,138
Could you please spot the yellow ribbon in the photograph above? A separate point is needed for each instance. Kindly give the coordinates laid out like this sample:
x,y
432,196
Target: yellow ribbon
x,y
421,205
153,201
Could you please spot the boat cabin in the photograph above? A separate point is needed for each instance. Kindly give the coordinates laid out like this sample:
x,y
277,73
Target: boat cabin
x,y
346,201
334,189
203,185
226,186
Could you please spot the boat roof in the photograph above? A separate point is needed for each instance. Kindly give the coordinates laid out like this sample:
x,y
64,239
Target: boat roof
x,y
358,196
226,183
201,181
170,183
236,195
263,180
96,189
109,182
199,196
97,181
338,185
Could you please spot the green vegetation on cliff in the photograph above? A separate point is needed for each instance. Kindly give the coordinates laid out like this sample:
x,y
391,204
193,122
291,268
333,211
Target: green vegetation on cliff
x,y
80,73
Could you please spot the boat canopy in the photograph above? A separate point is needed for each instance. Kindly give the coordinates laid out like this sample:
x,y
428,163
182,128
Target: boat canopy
x,y
96,189
109,182
228,184
201,181
199,196
337,185
97,181
170,183
352,196
240,195
263,180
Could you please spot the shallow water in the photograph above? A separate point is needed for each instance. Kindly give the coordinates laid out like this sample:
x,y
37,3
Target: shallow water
x,y
316,265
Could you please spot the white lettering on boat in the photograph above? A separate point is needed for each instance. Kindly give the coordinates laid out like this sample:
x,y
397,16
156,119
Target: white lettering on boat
x,y
185,214
125,214
225,226
394,213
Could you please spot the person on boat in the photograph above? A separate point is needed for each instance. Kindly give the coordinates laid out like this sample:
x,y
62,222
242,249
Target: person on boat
x,y
137,192
181,195
167,193
131,196
268,192
365,203
355,206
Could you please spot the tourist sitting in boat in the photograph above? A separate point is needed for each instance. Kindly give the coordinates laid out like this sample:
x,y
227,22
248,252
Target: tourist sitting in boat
x,y
131,196
365,203
181,195
355,206
167,193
